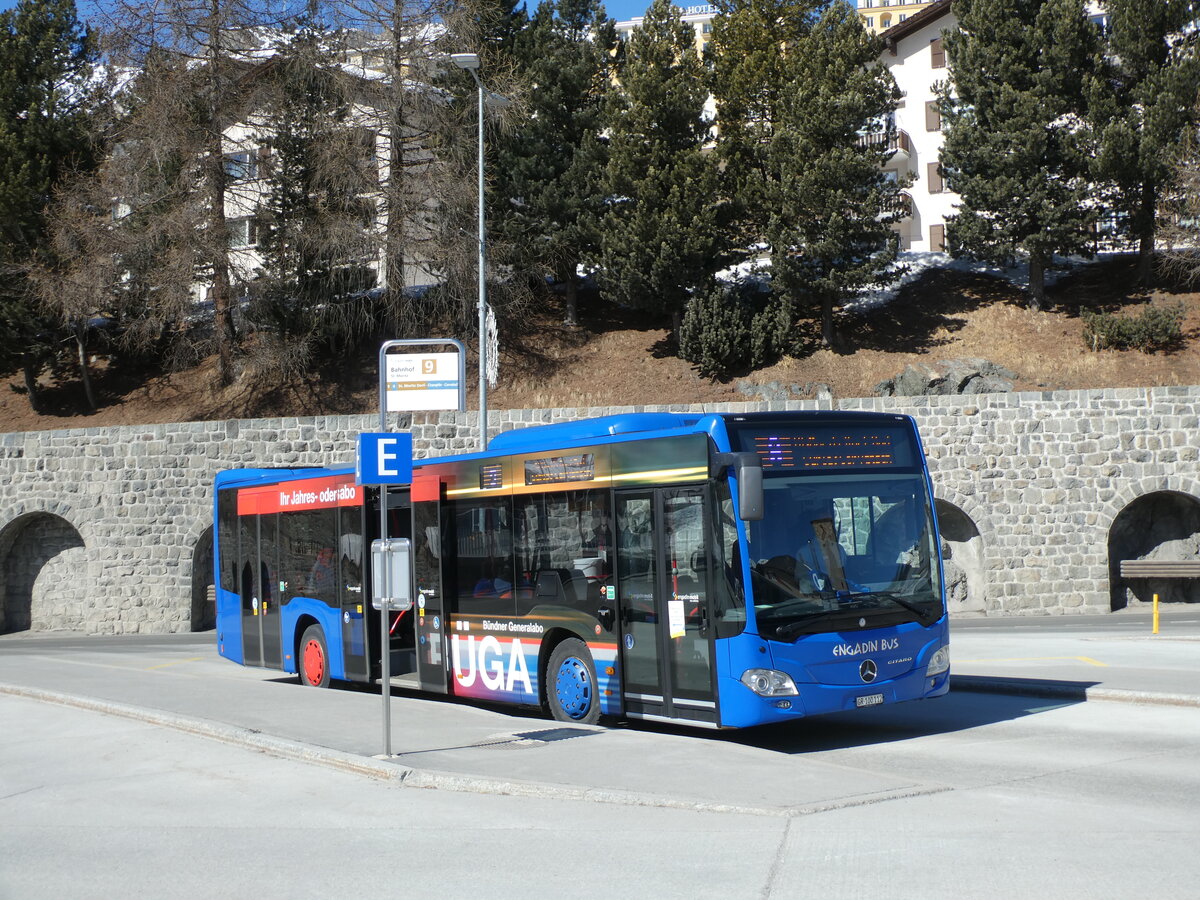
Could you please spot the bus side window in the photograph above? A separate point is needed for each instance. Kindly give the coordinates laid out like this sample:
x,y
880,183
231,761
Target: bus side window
x,y
729,599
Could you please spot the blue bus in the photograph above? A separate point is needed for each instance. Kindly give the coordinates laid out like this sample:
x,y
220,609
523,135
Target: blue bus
x,y
719,570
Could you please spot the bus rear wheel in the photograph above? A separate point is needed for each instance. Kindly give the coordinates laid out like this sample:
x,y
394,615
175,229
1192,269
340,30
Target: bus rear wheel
x,y
312,662
571,690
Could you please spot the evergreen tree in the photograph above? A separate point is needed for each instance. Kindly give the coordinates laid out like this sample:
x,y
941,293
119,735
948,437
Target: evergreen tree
x,y
316,222
749,50
1017,149
661,238
832,211
798,84
550,169
1143,102
45,60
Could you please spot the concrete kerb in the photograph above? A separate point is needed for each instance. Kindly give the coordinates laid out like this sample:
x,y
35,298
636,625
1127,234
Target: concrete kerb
x,y
385,770
1065,690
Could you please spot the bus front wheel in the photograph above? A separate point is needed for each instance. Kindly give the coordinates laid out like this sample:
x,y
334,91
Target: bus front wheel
x,y
571,692
313,658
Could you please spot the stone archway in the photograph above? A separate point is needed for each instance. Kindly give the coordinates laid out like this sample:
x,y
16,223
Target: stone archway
x,y
962,553
42,563
204,608
1163,525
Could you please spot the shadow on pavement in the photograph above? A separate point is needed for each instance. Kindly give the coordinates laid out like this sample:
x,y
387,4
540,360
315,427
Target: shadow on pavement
x,y
958,711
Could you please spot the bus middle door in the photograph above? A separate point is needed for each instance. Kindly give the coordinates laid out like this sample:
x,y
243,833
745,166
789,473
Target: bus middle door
x,y
663,598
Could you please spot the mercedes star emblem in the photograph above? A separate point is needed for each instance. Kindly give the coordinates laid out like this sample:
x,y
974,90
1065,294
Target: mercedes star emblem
x,y
867,671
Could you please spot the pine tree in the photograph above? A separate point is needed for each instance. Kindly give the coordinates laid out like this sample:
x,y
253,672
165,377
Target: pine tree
x,y
1143,102
661,238
549,170
45,59
1017,146
317,220
797,85
749,49
832,210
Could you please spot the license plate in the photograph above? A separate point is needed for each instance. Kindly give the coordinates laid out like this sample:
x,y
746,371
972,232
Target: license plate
x,y
869,700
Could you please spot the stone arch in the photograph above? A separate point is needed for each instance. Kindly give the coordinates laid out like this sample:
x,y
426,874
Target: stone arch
x,y
42,566
204,608
964,558
1161,524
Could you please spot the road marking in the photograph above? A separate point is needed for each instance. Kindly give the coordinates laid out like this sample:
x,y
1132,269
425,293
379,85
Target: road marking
x,y
1086,659
178,662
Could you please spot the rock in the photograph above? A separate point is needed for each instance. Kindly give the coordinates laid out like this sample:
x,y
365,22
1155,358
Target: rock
x,y
951,376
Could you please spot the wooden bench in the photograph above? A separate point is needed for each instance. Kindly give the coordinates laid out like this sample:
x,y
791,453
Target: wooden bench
x,y
1160,568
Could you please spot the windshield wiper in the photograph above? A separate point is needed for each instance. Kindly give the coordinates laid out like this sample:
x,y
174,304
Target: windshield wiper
x,y
796,627
921,614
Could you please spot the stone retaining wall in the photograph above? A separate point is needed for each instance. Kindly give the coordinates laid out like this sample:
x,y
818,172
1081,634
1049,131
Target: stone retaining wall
x,y
105,529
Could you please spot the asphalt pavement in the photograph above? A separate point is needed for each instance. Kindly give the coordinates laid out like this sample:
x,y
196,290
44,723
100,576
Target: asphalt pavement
x,y
178,682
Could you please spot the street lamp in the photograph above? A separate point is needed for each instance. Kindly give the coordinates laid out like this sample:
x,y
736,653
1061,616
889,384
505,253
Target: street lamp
x,y
470,62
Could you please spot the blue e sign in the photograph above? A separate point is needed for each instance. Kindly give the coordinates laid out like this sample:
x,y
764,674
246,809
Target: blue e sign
x,y
384,459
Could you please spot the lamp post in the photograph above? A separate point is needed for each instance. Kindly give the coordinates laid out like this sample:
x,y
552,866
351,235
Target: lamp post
x,y
470,62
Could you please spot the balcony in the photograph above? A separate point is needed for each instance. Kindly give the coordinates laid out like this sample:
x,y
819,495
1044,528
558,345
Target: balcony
x,y
896,142
902,205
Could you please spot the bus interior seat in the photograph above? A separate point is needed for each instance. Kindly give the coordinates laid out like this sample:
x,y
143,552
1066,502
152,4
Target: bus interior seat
x,y
565,587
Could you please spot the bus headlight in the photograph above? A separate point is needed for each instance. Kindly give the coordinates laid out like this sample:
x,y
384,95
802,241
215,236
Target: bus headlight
x,y
769,683
939,663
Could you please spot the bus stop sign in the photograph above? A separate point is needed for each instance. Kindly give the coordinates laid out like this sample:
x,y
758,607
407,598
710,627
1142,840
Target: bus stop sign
x,y
384,458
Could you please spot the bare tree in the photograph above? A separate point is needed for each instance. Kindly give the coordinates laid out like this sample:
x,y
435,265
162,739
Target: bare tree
x,y
197,60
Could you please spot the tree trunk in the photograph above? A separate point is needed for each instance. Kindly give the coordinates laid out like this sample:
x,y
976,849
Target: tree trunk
x,y
219,231
30,370
85,374
828,331
396,202
572,301
1037,280
1145,270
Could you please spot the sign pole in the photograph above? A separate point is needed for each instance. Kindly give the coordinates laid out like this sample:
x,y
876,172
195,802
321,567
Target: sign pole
x,y
385,608
385,633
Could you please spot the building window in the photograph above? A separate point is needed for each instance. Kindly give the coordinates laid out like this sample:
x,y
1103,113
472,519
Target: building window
x,y
243,232
870,21
933,118
707,29
866,4
241,166
937,237
933,178
891,176
903,16
937,54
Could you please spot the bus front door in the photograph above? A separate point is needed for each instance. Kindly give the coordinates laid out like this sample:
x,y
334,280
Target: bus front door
x,y
663,598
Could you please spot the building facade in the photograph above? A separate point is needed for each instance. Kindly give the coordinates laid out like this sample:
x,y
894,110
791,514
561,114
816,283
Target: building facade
x,y
914,54
880,15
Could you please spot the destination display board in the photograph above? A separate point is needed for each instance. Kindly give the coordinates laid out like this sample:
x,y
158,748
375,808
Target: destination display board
x,y
831,448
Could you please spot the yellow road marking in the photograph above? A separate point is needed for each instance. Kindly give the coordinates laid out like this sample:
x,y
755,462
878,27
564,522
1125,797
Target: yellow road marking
x,y
176,663
1086,659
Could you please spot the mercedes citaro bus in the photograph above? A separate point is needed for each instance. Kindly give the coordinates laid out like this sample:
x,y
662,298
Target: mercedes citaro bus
x,y
718,570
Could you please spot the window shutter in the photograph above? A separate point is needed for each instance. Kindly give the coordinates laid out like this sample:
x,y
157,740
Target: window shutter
x,y
933,178
937,237
933,118
937,56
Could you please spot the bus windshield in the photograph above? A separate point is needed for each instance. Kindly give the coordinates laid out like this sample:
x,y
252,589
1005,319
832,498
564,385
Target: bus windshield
x,y
843,551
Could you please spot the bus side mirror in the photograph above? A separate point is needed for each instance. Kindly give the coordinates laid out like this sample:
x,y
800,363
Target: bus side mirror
x,y
747,467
